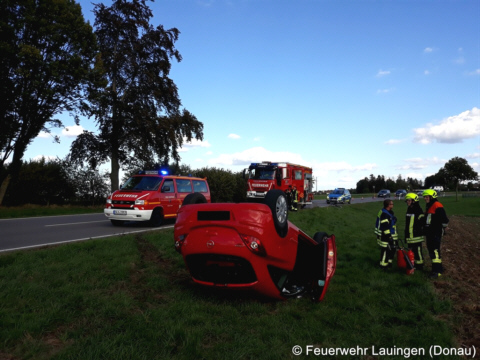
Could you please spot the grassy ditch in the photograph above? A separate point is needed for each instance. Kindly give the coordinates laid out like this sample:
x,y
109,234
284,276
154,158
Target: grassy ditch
x,y
130,297
31,210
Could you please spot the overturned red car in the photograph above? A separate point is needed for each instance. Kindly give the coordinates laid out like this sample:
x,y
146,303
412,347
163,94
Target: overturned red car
x,y
253,246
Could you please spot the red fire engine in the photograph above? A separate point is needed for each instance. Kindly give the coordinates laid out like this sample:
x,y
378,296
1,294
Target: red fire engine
x,y
267,175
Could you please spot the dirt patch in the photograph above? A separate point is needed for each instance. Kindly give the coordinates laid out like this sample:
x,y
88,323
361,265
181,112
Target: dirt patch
x,y
461,283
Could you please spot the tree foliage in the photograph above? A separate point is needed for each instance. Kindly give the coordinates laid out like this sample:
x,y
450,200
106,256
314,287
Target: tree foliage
x,y
138,112
225,186
91,186
375,184
457,170
46,52
41,182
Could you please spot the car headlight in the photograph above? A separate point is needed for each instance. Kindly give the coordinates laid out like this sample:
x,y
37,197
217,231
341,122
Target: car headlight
x,y
109,201
139,202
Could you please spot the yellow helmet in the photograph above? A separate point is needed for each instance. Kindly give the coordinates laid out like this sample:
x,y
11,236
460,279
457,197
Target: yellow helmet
x,y
411,196
430,192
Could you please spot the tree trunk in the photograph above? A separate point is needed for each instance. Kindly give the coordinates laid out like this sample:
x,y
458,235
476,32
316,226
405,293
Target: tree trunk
x,y
115,168
3,187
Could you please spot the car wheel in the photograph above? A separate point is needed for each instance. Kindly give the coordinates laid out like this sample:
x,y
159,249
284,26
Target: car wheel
x,y
157,218
116,222
277,202
194,198
320,237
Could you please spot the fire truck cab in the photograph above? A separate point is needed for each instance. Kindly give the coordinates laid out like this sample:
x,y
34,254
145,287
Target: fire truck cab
x,y
153,196
267,175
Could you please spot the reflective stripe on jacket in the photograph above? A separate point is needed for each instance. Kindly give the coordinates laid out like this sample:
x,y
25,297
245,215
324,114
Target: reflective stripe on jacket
x,y
415,219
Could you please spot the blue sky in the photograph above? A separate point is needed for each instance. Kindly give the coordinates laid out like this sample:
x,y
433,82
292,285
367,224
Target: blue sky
x,y
351,88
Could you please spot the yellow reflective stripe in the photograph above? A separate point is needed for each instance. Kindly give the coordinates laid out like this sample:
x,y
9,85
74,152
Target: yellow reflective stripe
x,y
382,260
415,239
386,232
410,226
429,219
382,243
384,221
437,259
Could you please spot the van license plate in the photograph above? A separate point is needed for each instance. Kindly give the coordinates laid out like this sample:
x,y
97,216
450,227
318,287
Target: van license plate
x,y
119,212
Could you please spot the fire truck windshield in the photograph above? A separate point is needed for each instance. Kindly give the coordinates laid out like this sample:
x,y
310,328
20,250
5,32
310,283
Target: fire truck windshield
x,y
262,174
142,183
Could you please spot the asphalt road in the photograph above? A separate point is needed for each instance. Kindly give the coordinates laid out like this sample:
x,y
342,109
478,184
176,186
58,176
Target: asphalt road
x,y
25,233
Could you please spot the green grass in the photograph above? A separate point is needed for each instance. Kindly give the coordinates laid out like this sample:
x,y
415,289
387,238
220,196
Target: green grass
x,y
130,297
37,210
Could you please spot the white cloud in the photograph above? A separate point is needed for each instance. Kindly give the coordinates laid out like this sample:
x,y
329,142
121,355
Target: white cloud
x,y
453,129
234,136
473,156
421,163
209,153
72,131
256,154
475,72
194,143
427,72
384,91
383,73
44,135
394,141
46,157
428,50
460,60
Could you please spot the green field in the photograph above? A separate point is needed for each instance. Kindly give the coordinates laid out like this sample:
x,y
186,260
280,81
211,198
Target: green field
x,y
130,297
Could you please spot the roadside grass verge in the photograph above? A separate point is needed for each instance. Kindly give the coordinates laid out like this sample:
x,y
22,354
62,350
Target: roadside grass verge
x,y
30,210
131,297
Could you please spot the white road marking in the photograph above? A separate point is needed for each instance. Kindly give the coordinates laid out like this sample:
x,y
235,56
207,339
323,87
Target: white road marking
x,y
84,222
90,238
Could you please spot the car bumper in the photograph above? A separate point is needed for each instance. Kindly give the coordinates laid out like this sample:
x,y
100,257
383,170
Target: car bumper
x,y
128,215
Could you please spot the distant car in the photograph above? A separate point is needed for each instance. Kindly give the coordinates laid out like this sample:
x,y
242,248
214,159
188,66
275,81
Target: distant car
x,y
253,246
384,193
400,193
420,193
339,195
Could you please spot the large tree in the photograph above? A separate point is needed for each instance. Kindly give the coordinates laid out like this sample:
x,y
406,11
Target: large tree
x,y
457,170
46,51
138,112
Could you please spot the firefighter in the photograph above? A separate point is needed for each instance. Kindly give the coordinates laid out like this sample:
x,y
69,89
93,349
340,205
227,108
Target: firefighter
x,y
436,222
288,195
415,219
386,231
294,198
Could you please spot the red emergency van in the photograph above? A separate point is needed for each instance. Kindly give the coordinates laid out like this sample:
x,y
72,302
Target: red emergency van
x,y
152,196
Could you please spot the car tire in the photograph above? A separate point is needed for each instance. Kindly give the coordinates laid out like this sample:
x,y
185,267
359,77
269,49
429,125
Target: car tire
x,y
277,202
194,198
157,218
116,222
320,237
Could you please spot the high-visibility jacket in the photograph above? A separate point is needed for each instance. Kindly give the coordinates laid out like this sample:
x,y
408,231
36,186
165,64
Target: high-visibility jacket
x,y
386,227
435,219
294,195
414,222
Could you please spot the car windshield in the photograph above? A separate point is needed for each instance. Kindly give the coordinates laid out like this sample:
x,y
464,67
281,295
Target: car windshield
x,y
336,191
142,183
263,174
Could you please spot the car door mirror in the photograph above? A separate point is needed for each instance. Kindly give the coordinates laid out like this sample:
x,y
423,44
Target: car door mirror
x,y
166,189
